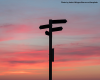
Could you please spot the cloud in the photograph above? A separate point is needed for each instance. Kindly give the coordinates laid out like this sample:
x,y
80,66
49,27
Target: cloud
x,y
15,28
78,59
80,56
64,69
14,72
16,31
82,51
78,24
6,25
25,62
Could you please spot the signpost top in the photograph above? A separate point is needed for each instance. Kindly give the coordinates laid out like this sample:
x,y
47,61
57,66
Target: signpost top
x,y
53,22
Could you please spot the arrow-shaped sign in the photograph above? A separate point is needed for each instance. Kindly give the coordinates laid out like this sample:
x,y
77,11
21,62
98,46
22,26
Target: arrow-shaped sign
x,y
54,29
57,29
59,21
44,26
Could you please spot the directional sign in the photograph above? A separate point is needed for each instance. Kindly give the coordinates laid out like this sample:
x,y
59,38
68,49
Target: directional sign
x,y
54,29
44,26
59,21
52,54
57,29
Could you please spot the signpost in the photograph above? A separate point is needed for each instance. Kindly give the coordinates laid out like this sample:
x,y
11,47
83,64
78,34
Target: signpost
x,y
51,51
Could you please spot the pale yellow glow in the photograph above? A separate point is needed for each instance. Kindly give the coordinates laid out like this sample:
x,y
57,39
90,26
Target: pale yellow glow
x,y
15,72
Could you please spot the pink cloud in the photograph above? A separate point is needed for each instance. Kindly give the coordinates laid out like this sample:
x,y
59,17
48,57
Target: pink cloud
x,y
64,69
10,28
76,25
15,31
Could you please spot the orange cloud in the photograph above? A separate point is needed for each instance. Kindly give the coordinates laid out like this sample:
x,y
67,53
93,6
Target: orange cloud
x,y
39,59
64,69
15,72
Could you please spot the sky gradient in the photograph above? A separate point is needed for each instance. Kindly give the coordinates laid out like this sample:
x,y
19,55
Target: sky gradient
x,y
24,48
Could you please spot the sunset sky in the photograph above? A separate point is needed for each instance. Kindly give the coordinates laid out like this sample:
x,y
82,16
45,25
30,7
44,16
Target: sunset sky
x,y
24,48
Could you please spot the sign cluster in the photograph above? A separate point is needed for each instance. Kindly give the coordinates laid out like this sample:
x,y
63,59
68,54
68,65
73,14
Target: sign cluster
x,y
53,29
49,33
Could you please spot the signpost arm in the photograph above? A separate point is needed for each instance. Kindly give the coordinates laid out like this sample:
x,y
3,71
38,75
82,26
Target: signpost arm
x,y
50,49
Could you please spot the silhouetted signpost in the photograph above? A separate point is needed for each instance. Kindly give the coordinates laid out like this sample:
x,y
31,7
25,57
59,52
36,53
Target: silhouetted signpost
x,y
51,50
